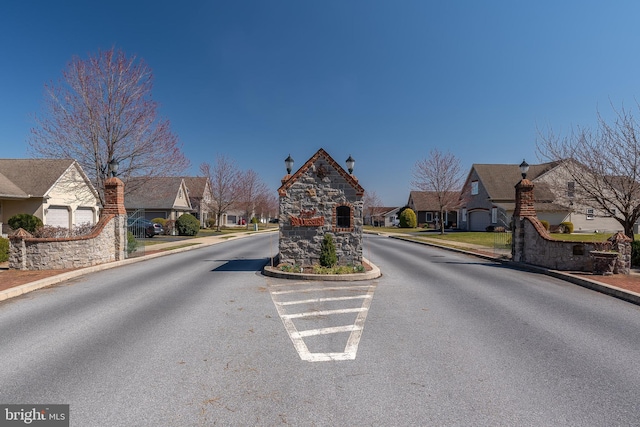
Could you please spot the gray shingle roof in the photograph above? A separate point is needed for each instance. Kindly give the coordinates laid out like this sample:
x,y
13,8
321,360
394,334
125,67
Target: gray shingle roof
x,y
427,201
500,180
151,193
30,177
196,185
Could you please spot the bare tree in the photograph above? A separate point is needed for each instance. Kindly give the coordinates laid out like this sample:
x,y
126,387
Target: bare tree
x,y
267,205
250,188
223,179
372,206
441,174
604,163
101,109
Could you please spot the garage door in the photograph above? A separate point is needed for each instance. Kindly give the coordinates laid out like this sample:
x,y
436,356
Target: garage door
x,y
57,217
83,216
479,221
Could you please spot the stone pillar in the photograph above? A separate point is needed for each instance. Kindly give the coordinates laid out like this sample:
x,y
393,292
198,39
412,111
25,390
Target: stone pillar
x,y
621,243
524,208
114,205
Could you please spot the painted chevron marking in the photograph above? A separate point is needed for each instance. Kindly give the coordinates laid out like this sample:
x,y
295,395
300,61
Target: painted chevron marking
x,y
297,337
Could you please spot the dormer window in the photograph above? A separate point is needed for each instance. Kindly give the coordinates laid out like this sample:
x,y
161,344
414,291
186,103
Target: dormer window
x,y
474,188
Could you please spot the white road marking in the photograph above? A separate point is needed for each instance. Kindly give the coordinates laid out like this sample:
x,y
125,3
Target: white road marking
x,y
317,289
297,337
322,313
311,301
324,331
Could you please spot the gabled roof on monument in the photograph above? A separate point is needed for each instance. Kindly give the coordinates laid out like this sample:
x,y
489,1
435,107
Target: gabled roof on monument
x,y
309,163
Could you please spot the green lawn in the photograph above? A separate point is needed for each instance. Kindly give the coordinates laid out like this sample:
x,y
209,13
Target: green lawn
x,y
489,239
482,238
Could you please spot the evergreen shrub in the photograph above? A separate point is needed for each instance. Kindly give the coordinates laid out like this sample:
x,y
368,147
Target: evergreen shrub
x,y
567,227
4,249
328,257
26,221
635,253
187,225
408,219
132,243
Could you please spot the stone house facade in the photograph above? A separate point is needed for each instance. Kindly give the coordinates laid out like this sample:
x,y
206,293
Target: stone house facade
x,y
320,198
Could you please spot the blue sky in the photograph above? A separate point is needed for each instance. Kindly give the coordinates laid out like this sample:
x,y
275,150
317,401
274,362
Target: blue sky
x,y
384,81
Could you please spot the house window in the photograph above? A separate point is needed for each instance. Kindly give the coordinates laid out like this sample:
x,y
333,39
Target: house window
x,y
571,189
494,215
464,215
429,217
474,188
343,217
590,214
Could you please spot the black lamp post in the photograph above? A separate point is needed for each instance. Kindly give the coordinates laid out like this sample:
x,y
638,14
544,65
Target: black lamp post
x,y
350,163
524,168
113,168
288,162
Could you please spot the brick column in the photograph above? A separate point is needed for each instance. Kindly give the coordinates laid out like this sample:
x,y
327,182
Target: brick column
x,y
114,197
524,208
524,199
114,205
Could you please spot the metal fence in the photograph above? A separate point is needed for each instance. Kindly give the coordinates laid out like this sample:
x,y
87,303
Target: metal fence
x,y
135,231
502,243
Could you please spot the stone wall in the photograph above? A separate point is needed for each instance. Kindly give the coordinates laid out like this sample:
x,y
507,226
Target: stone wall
x,y
532,243
107,242
309,208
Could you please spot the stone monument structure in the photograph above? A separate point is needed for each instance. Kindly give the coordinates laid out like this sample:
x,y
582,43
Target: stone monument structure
x,y
320,198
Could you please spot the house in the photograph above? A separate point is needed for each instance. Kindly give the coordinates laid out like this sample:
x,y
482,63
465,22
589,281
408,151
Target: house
x,y
427,208
382,216
199,192
55,190
320,199
157,197
488,198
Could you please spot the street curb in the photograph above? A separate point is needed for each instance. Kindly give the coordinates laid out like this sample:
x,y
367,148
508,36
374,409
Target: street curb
x,y
374,273
53,280
594,285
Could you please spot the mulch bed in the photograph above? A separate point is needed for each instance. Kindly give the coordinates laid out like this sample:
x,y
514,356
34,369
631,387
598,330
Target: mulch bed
x,y
11,278
629,282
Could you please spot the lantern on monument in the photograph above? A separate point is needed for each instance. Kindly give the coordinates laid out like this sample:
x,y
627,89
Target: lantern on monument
x,y
288,162
113,167
350,163
524,168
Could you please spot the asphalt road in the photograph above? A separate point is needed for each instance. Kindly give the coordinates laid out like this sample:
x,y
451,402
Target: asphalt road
x,y
200,338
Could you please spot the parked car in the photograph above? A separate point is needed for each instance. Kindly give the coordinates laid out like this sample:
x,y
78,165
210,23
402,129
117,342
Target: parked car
x,y
141,227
